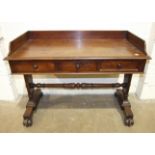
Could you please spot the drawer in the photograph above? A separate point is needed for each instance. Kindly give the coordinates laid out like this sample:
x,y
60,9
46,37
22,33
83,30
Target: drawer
x,y
77,66
66,66
32,66
121,66
87,66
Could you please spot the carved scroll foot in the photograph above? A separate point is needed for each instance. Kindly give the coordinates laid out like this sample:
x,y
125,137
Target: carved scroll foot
x,y
31,106
126,107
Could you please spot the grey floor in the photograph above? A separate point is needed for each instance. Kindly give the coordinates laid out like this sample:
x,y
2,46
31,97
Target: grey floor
x,y
80,113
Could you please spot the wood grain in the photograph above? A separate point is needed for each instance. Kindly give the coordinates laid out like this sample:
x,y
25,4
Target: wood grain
x,y
60,49
77,52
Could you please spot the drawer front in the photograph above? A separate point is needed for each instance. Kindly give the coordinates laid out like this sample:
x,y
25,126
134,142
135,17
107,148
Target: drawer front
x,y
32,66
121,66
66,66
77,66
87,66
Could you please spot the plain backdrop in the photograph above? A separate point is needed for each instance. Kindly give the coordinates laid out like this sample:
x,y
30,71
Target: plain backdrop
x,y
10,30
73,13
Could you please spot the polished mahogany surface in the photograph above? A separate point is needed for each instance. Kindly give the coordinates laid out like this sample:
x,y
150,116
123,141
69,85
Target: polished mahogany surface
x,y
41,49
77,52
54,45
98,52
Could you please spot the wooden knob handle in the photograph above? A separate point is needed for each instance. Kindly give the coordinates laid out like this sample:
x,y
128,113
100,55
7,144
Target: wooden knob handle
x,y
101,70
119,66
77,65
35,66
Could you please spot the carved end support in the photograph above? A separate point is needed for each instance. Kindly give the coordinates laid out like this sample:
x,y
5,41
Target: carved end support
x,y
31,106
125,106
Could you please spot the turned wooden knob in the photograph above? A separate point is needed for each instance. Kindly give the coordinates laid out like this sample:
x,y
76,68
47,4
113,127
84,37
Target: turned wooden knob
x,y
77,65
35,66
119,66
101,70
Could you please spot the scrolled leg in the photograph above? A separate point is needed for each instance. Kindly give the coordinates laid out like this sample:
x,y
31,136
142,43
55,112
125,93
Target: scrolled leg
x,y
34,97
122,98
128,120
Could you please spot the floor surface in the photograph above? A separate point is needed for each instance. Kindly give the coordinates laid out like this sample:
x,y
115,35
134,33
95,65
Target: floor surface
x,y
80,113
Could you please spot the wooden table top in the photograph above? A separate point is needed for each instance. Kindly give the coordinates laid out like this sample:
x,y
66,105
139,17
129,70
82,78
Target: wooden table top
x,y
61,52
55,49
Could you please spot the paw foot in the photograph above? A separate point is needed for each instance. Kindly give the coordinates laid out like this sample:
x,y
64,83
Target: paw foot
x,y
27,122
129,122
